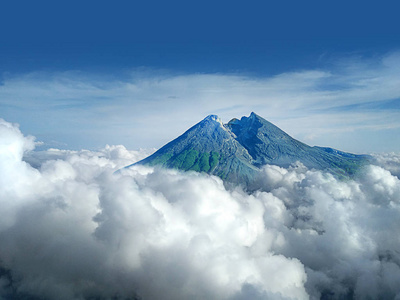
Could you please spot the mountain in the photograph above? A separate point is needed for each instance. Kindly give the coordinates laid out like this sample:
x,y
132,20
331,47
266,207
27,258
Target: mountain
x,y
209,147
236,151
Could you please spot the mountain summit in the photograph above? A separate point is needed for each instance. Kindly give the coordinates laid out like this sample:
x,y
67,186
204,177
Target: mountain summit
x,y
237,150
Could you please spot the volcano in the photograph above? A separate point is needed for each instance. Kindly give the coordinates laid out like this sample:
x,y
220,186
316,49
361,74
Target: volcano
x,y
236,151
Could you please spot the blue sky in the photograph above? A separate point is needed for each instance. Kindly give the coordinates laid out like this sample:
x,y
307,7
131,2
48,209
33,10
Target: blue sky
x,y
85,74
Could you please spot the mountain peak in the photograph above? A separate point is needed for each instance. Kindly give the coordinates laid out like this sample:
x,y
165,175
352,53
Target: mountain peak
x,y
212,118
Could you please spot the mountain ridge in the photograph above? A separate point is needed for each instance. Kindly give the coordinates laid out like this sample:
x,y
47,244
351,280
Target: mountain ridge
x,y
236,151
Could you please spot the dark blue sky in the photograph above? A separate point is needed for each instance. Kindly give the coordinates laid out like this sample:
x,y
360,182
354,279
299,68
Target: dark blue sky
x,y
259,37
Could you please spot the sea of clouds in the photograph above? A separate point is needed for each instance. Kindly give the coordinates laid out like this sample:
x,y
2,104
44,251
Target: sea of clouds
x,y
72,228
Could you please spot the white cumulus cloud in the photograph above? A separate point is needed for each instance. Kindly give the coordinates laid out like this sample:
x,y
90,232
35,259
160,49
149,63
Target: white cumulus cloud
x,y
72,228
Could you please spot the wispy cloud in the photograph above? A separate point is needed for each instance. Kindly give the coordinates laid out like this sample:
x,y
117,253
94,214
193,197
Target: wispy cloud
x,y
148,108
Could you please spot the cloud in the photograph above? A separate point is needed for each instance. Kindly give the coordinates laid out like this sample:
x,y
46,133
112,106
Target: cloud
x,y
71,228
390,161
115,156
347,99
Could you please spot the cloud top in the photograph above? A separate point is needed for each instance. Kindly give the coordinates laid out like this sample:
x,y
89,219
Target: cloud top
x,y
71,228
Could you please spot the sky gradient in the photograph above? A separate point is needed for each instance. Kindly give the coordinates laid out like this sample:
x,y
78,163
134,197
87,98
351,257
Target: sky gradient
x,y
96,86
83,75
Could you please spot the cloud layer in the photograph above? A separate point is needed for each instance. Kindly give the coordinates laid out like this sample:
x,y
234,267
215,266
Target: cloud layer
x,y
350,104
71,228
